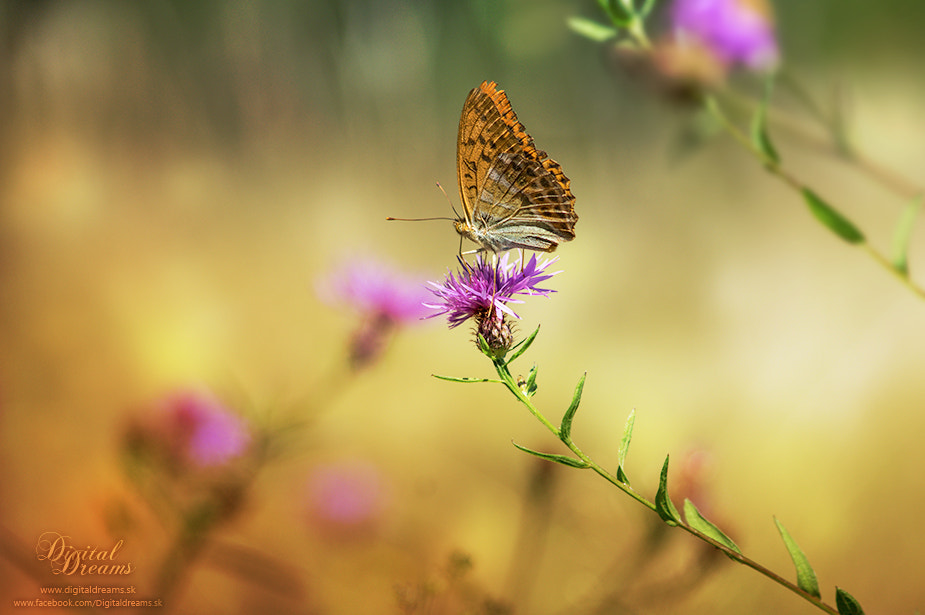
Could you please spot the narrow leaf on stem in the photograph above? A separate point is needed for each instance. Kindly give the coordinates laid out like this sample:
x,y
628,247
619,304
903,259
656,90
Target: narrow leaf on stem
x,y
483,346
529,386
625,446
563,459
663,504
646,8
521,347
463,379
806,577
565,430
592,30
901,235
846,604
703,525
618,11
759,128
832,219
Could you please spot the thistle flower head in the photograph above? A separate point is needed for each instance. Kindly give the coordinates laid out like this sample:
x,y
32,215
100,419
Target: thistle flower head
x,y
483,291
486,286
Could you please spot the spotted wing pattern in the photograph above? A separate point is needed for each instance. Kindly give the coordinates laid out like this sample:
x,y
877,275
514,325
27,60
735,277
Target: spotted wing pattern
x,y
513,195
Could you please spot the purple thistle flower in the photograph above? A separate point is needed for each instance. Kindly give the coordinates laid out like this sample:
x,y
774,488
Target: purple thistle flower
x,y
483,291
735,31
484,287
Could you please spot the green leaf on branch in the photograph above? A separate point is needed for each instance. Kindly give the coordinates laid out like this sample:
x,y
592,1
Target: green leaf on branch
x,y
846,604
463,379
529,386
704,526
565,429
663,504
592,30
901,236
483,346
837,223
625,446
646,8
521,347
618,11
563,459
759,128
806,577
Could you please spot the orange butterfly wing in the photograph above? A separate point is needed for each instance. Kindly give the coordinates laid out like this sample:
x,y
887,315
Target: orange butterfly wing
x,y
513,195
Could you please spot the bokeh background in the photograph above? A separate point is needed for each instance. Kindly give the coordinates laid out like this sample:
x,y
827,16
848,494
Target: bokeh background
x,y
175,178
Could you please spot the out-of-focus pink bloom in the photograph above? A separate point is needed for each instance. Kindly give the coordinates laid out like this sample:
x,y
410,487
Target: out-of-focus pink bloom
x,y
736,32
384,297
346,498
213,434
190,429
376,289
693,474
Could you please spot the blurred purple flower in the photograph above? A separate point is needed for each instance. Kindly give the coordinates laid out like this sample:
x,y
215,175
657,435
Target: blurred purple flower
x,y
385,297
735,31
213,434
189,429
346,497
375,289
487,288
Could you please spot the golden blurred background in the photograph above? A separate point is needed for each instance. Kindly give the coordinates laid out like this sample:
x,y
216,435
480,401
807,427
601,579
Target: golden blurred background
x,y
176,178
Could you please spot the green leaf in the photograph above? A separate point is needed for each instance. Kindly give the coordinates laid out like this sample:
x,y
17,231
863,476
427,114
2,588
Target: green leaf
x,y
592,30
759,127
806,577
646,8
835,222
565,429
484,347
563,459
618,11
625,446
463,379
846,604
663,504
703,525
621,476
521,347
901,236
529,386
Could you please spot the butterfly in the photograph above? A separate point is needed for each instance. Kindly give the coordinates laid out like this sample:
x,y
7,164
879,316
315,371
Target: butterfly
x,y
513,195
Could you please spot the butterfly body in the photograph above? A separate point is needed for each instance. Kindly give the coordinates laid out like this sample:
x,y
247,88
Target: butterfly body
x,y
513,195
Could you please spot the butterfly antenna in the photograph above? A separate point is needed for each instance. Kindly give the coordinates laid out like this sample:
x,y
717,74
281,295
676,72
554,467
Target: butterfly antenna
x,y
417,219
448,199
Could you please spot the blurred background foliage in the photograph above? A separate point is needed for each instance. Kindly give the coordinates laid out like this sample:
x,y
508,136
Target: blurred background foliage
x,y
176,176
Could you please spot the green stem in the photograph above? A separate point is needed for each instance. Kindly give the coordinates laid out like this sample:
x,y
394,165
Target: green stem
x,y
508,380
504,373
637,31
775,168
836,144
